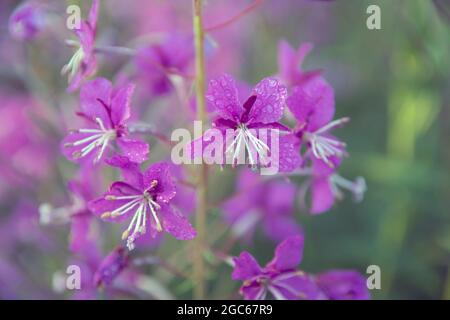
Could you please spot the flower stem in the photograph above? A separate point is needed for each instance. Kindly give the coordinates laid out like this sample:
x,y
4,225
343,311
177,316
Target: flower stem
x,y
199,266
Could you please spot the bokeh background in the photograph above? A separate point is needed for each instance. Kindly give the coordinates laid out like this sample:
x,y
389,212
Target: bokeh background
x,y
393,83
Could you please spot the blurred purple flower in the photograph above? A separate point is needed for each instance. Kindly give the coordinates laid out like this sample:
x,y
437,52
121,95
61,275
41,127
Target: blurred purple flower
x,y
289,64
107,111
27,21
157,62
146,196
83,63
257,202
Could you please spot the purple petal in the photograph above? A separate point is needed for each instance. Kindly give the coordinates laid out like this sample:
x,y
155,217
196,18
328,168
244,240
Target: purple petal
x,y
176,224
245,267
288,254
269,104
113,264
289,153
253,291
223,95
312,103
322,195
91,95
79,233
136,150
130,170
343,285
120,104
278,227
295,285
93,14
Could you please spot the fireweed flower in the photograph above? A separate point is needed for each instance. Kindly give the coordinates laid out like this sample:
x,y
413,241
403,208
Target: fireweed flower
x,y
107,111
279,277
312,104
257,202
343,285
83,63
156,62
27,21
261,111
283,281
147,198
289,62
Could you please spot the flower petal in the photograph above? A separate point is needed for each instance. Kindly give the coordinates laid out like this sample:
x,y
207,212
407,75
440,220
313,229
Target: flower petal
x,y
322,195
95,97
130,170
165,189
343,285
136,150
120,104
223,95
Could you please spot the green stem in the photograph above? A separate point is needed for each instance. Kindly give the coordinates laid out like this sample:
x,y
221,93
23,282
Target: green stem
x,y
199,266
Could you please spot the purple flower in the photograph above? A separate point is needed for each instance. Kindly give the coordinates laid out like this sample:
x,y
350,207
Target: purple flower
x,y
83,63
107,111
257,202
343,285
283,281
262,110
289,62
312,104
156,62
27,21
146,197
279,277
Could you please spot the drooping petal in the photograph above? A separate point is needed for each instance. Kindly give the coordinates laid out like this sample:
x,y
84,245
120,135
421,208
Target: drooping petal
x,y
253,291
165,188
111,266
130,170
136,150
222,94
312,103
269,105
120,104
245,267
322,195
288,254
343,285
95,97
176,224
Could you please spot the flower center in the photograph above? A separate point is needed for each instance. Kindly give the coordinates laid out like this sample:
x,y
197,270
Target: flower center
x,y
95,139
247,141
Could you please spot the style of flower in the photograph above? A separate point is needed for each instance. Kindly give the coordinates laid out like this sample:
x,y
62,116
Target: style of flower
x,y
312,104
106,111
83,63
283,281
147,198
266,203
